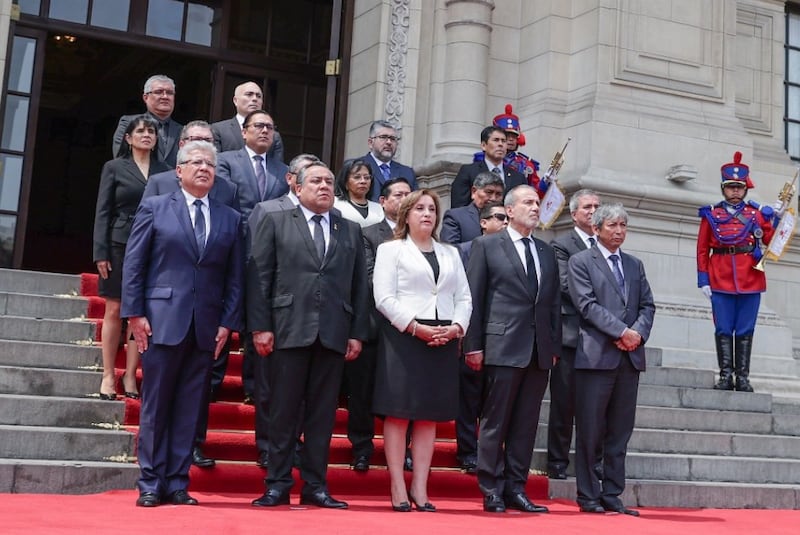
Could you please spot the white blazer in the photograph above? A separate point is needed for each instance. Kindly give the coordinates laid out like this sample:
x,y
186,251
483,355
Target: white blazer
x,y
404,288
374,212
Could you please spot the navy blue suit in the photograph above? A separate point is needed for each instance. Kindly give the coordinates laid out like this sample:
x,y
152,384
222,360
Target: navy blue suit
x,y
396,170
185,296
461,188
223,190
461,224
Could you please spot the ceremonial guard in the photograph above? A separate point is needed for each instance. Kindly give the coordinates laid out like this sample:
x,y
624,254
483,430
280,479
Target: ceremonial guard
x,y
516,160
732,233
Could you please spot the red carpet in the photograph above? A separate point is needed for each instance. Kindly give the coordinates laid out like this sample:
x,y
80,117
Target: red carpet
x,y
232,514
231,441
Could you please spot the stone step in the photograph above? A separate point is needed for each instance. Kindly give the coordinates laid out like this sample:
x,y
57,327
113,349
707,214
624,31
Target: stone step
x,y
57,411
695,494
767,364
42,306
38,282
65,444
65,477
46,330
49,354
48,382
700,398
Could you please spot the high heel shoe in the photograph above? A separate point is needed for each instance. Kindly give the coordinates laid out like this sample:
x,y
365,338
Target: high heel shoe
x,y
129,395
426,507
108,397
404,507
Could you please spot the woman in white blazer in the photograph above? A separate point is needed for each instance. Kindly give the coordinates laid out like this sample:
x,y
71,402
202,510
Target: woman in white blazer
x,y
421,289
353,184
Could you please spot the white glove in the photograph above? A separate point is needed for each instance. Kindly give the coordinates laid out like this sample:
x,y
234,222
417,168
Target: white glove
x,y
706,291
779,208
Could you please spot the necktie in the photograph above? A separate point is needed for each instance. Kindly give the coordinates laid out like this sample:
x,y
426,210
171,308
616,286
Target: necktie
x,y
319,237
385,171
617,272
496,171
261,176
199,225
162,138
592,241
533,281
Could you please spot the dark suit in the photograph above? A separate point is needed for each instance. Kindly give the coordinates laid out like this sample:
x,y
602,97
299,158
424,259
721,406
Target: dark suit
x,y
519,331
228,136
223,190
461,188
163,269
396,170
606,377
562,376
461,224
167,152
313,307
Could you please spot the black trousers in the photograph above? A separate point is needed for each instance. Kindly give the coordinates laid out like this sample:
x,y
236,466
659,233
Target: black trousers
x,y
358,386
470,393
562,410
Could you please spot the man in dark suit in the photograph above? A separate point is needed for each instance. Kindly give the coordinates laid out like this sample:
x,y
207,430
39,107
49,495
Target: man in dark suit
x,y
493,144
307,312
611,293
247,97
383,141
463,224
159,99
224,192
180,242
515,334
359,374
562,377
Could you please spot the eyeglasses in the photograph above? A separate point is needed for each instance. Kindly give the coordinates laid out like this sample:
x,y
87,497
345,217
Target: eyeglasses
x,y
161,92
499,217
262,126
361,178
384,137
199,138
199,163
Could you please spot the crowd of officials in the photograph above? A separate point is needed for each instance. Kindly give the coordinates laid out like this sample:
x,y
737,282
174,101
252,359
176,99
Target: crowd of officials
x,y
339,282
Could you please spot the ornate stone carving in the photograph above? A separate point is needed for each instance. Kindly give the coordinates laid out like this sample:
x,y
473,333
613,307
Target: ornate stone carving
x,y
396,66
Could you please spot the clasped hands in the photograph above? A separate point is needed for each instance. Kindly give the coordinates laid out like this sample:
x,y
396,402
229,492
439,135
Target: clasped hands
x,y
629,340
434,335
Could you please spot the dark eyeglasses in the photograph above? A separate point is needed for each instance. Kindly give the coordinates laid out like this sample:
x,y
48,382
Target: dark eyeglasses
x,y
261,126
499,217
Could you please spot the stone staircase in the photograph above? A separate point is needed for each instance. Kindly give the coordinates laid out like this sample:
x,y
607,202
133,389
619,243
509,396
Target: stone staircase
x,y
692,446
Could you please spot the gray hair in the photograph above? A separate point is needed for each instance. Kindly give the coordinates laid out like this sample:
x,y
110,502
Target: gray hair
x,y
203,146
301,176
485,178
193,124
373,128
297,162
511,196
609,212
576,198
148,85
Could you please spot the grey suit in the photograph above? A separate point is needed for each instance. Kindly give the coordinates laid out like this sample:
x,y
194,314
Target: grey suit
x,y
167,152
228,136
606,377
562,376
312,317
519,332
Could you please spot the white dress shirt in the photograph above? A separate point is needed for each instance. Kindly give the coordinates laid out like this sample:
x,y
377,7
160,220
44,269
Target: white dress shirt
x,y
516,237
326,224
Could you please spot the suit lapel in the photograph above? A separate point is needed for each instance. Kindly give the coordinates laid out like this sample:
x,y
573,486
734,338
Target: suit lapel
x,y
302,227
602,264
133,169
421,260
216,216
336,227
516,263
580,245
236,130
247,164
182,212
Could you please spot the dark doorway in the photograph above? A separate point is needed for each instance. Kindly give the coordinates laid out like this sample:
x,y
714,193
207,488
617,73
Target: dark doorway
x,y
86,86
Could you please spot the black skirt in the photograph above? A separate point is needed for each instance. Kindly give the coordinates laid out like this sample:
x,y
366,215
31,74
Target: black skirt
x,y
413,380
112,286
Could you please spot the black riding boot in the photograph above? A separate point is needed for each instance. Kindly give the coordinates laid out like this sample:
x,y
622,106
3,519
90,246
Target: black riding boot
x,y
744,347
725,361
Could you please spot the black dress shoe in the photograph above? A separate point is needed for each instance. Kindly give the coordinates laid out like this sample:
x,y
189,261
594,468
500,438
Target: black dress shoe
x,y
426,507
200,460
408,464
181,497
557,473
494,504
469,466
263,459
272,498
624,511
148,499
592,507
322,499
249,399
521,502
361,463
108,397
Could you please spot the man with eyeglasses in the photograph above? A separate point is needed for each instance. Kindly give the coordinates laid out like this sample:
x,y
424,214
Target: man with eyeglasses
x,y
159,99
258,178
247,97
225,192
582,206
383,142
463,224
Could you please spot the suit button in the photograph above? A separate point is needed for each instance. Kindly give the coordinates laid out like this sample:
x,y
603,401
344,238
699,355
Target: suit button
x,y
433,292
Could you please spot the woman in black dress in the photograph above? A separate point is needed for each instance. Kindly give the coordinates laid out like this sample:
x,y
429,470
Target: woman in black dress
x,y
122,183
421,289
